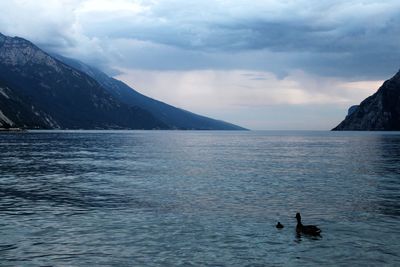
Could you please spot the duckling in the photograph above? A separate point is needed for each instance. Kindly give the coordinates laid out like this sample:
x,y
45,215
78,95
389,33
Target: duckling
x,y
306,229
279,225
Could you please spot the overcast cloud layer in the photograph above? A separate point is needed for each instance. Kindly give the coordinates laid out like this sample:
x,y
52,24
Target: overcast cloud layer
x,y
236,60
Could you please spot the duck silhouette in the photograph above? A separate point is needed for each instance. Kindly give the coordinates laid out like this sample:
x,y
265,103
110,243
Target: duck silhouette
x,y
306,229
279,225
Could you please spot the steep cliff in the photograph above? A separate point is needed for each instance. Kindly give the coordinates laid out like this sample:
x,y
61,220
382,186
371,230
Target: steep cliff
x,y
379,112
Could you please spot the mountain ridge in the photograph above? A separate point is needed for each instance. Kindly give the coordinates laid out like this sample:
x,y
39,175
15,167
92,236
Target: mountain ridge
x,y
70,98
175,118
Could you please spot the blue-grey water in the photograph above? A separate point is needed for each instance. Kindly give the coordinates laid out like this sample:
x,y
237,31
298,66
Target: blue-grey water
x,y
176,198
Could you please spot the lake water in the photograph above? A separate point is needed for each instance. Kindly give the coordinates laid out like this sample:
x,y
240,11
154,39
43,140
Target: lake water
x,y
176,198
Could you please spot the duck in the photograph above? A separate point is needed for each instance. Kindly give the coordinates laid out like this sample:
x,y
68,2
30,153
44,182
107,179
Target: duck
x,y
306,229
279,225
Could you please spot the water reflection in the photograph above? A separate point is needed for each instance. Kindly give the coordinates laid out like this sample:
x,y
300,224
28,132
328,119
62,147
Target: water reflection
x,y
198,198
299,237
388,172
67,197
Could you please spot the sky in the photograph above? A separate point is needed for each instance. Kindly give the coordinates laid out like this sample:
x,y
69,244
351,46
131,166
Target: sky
x,y
261,64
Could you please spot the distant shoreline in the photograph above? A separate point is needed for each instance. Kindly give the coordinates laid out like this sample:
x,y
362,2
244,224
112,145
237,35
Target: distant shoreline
x,y
119,129
12,130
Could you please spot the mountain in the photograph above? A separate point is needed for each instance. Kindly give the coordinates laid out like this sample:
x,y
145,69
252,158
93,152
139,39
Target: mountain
x,y
16,112
38,90
175,118
67,98
379,112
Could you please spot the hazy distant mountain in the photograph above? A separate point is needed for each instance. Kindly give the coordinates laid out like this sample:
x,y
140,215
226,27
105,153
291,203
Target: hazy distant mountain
x,y
175,118
40,91
379,112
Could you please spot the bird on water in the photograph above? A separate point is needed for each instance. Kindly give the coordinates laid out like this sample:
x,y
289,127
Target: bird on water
x,y
279,225
306,229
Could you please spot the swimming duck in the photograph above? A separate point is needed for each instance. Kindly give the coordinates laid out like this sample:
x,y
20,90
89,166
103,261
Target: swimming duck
x,y
306,229
279,225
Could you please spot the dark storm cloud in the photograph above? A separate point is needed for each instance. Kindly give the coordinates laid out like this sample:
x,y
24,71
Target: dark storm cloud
x,y
239,58
333,38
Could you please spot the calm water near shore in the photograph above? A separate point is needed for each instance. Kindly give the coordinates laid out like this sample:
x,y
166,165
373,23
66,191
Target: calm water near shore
x,y
186,198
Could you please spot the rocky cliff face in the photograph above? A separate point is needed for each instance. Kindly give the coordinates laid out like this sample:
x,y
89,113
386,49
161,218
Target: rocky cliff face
x,y
18,112
379,112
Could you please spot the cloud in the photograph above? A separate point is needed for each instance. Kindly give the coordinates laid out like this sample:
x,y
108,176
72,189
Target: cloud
x,y
47,22
276,25
331,38
253,99
54,26
212,89
228,58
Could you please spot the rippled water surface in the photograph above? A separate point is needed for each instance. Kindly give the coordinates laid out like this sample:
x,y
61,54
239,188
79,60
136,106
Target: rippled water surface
x,y
160,198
